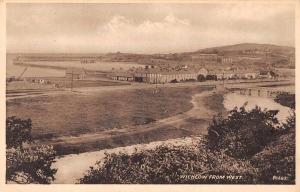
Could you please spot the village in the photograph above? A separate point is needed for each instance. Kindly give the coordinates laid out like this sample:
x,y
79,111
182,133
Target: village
x,y
155,69
192,93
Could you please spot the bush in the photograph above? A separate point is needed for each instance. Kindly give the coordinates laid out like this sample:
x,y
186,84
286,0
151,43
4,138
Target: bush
x,y
211,77
201,78
245,144
18,131
167,165
289,125
32,165
278,158
190,80
243,133
286,99
26,164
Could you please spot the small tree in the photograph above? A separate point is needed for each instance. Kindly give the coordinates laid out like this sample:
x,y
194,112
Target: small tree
x,y
243,133
26,164
201,78
18,131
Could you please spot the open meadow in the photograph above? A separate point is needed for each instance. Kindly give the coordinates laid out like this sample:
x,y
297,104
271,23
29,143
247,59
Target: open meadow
x,y
71,114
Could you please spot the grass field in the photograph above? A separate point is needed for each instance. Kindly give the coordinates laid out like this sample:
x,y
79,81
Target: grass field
x,y
74,114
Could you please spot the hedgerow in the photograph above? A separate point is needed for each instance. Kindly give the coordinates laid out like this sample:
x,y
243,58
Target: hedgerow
x,y
167,165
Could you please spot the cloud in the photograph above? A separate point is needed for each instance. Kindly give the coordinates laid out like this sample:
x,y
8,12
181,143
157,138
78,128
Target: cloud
x,y
122,33
145,28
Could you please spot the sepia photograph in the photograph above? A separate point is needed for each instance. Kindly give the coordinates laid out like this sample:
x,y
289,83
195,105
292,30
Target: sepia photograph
x,y
150,93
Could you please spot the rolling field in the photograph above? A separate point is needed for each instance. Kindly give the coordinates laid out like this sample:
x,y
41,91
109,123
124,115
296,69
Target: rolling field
x,y
72,114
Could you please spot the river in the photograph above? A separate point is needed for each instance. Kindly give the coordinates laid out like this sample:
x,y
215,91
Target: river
x,y
232,100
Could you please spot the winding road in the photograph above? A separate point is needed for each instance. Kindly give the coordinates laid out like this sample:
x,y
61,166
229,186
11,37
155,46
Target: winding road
x,y
199,111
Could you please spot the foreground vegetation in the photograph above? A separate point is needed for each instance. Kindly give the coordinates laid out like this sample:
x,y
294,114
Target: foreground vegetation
x,y
249,146
286,99
26,164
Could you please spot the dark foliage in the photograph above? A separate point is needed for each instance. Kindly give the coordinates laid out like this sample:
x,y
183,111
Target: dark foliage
x,y
26,164
211,77
201,78
32,165
278,158
243,133
286,99
190,80
167,165
246,144
18,131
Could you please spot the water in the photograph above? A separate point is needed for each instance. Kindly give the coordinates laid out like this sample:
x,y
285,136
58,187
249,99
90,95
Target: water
x,y
16,70
232,100
98,66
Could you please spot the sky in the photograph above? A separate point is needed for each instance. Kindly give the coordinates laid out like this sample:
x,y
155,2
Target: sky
x,y
145,28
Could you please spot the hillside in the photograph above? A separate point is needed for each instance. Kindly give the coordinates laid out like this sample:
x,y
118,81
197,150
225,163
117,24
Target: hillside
x,y
245,54
244,48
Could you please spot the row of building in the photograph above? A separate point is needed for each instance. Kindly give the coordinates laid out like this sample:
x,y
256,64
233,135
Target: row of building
x,y
158,75
155,75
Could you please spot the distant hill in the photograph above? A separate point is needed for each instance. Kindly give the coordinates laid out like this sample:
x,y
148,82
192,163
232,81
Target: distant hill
x,y
245,48
243,54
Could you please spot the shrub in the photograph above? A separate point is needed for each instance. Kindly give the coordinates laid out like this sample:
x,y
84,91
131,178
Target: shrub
x,y
278,158
243,133
211,77
18,131
167,165
286,99
190,80
201,78
289,125
32,165
26,164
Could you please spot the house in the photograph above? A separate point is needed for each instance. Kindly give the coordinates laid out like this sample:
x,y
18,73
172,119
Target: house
x,y
267,74
250,75
122,76
75,73
225,60
203,71
246,73
223,74
167,75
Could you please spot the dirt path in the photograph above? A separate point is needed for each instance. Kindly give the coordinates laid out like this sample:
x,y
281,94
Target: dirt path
x,y
199,111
